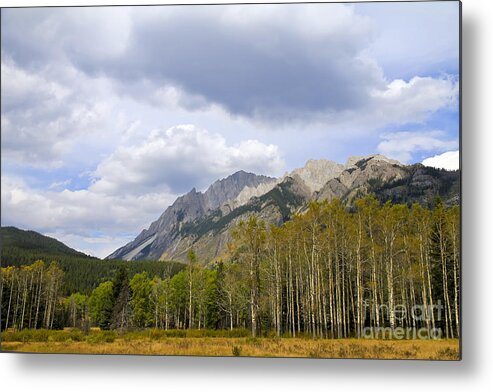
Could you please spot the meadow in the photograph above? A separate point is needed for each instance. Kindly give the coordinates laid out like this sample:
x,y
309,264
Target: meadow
x,y
222,343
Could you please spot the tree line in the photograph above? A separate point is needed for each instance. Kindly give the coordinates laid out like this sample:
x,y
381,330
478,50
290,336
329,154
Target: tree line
x,y
83,274
329,272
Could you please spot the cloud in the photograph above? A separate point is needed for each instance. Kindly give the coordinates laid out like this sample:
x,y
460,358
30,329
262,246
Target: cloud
x,y
83,214
264,63
402,145
403,36
100,246
173,159
260,61
448,160
257,61
45,113
404,102
60,184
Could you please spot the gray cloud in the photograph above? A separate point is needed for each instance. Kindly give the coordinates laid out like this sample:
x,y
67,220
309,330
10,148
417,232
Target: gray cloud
x,y
260,61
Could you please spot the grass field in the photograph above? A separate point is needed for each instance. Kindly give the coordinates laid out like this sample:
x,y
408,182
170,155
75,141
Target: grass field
x,y
160,343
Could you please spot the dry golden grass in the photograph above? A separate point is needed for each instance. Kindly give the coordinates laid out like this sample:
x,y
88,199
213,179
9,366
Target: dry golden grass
x,y
259,347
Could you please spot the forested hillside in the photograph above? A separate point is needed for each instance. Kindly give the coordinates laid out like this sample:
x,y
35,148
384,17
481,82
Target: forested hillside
x,y
27,243
82,273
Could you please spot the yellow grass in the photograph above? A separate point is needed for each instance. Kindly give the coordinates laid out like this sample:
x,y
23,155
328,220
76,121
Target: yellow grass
x,y
259,347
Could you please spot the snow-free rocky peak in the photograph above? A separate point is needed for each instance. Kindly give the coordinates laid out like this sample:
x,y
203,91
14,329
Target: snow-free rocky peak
x,y
316,173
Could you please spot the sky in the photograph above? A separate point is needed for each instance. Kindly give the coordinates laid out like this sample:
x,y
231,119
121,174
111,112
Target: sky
x,y
108,114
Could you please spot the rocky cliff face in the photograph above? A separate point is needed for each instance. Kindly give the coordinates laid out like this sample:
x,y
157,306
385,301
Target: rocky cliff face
x,y
316,173
206,220
210,235
390,180
154,241
230,188
359,176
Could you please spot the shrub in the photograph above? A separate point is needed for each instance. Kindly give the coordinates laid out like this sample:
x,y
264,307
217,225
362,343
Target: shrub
x,y
236,351
156,334
27,335
102,337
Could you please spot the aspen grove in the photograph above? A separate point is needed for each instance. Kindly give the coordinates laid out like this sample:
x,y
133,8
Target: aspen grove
x,y
330,272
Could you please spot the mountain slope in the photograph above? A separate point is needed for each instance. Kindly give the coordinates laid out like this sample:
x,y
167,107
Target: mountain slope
x,y
210,235
17,240
152,242
390,180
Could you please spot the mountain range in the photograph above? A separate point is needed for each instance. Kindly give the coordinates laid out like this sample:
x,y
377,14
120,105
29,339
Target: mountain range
x,y
205,220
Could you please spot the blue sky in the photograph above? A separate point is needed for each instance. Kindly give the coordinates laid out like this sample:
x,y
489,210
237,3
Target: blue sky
x,y
108,114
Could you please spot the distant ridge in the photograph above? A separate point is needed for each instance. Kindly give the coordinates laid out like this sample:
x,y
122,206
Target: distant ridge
x,y
22,241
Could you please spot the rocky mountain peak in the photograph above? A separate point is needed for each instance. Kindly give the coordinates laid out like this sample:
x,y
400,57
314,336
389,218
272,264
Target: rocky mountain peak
x,y
316,173
230,187
352,160
187,208
359,174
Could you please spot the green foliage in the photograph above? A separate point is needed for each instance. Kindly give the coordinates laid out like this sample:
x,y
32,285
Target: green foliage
x,y
121,315
43,335
39,287
191,256
141,289
101,305
76,310
102,337
83,275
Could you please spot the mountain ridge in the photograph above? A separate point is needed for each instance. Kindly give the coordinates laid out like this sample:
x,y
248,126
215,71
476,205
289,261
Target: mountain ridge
x,y
30,240
205,220
187,208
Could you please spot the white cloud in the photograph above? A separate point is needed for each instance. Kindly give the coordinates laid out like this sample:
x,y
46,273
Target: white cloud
x,y
82,214
177,158
60,184
402,145
48,112
397,102
100,246
448,160
404,102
